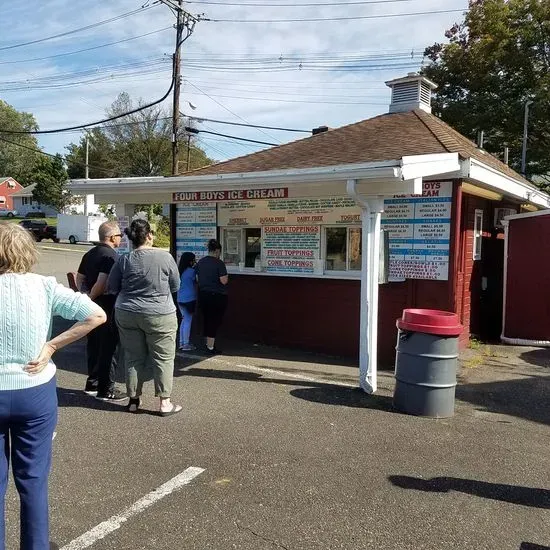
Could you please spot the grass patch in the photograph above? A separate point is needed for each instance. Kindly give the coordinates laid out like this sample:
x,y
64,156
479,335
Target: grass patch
x,y
49,221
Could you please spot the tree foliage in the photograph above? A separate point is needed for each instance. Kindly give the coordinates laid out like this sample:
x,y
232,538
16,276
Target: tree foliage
x,y
15,161
134,145
496,60
51,180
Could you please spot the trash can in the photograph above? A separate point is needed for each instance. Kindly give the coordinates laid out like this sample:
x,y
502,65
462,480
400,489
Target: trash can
x,y
426,362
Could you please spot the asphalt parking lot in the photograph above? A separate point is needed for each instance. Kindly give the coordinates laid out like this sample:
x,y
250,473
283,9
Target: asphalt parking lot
x,y
279,450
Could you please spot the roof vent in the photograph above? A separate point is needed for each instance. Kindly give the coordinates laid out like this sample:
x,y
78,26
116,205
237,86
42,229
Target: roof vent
x,y
319,130
411,92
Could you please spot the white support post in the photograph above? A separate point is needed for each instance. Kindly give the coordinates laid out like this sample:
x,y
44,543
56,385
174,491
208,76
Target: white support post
x,y
365,345
376,208
371,214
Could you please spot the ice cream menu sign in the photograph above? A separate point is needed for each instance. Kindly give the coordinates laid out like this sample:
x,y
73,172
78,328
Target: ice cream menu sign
x,y
419,232
291,249
196,223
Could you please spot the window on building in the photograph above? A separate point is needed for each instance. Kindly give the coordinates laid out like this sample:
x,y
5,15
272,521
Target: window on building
x,y
242,246
253,245
11,184
25,201
478,234
343,249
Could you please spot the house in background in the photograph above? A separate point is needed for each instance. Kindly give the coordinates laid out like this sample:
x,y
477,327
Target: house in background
x,y
8,187
25,204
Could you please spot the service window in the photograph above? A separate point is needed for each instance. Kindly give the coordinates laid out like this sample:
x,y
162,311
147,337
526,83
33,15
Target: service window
x,y
478,234
343,249
242,246
252,245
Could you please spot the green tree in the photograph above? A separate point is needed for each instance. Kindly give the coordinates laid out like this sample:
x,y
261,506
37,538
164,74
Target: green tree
x,y
16,161
134,145
496,60
51,180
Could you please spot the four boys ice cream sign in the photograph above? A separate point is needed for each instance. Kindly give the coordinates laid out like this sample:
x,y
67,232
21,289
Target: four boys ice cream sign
x,y
419,232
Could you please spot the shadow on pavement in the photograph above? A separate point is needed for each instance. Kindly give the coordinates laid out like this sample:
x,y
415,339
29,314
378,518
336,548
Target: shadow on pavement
x,y
538,357
68,397
531,546
524,496
316,392
527,398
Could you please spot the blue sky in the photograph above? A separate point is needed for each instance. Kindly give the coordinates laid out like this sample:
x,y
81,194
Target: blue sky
x,y
293,74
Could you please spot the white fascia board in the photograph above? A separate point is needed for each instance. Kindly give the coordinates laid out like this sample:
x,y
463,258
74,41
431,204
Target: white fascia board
x,y
487,175
384,170
421,166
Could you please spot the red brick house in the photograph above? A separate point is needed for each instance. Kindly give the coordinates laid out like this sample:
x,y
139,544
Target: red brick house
x,y
8,186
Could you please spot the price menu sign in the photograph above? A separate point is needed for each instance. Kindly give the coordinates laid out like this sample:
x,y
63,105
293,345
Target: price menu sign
x,y
196,224
419,233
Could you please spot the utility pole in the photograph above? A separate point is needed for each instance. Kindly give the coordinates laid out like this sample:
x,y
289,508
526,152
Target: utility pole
x,y
184,22
177,88
528,103
87,168
87,173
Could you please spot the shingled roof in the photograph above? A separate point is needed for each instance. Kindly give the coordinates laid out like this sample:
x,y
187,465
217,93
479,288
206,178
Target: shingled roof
x,y
382,138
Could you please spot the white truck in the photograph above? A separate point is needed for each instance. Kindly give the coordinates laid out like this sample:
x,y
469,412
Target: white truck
x,y
78,228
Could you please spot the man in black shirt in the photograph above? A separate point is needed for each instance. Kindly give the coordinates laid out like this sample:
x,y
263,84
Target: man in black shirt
x,y
92,280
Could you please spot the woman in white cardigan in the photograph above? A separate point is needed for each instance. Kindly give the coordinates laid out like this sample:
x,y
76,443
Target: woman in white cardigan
x,y
28,398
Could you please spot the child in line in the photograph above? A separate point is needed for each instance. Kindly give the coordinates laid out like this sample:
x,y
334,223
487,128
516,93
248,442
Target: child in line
x,y
187,298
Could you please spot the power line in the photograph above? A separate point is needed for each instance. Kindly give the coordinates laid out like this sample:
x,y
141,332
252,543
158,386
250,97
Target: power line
x,y
347,18
87,27
35,150
298,5
199,119
227,108
196,131
82,126
85,49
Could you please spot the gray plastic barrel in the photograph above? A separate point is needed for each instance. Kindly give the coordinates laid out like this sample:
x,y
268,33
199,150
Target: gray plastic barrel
x,y
426,363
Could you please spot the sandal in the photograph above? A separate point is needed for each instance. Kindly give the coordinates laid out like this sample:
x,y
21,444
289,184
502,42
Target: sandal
x,y
174,410
133,404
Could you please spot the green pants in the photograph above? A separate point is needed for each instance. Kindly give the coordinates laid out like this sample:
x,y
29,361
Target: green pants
x,y
148,341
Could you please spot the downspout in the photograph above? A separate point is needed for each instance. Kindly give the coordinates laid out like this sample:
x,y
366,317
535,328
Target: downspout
x,y
368,324
504,339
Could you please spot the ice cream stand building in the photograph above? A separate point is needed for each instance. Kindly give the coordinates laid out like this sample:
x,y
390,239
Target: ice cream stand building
x,y
327,239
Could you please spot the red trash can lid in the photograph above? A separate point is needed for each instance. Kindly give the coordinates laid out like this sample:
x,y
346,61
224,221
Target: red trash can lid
x,y
430,321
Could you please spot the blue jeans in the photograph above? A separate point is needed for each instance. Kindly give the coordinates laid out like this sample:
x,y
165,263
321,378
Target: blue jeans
x,y
27,421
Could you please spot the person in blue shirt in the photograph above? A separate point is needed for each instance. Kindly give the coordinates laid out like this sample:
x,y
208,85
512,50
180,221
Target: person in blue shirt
x,y
187,298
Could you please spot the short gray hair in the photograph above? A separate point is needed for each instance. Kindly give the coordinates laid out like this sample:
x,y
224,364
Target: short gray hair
x,y
108,229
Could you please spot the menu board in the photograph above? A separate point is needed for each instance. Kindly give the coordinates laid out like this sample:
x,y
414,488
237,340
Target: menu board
x,y
291,249
123,223
196,224
315,210
419,233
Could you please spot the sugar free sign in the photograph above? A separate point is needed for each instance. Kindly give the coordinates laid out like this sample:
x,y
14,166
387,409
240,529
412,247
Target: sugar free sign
x,y
230,195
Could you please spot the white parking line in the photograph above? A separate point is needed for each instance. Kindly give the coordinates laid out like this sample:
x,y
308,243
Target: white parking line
x,y
113,523
266,370
59,249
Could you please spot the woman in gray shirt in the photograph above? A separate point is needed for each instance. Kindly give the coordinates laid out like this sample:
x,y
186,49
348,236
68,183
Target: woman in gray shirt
x,y
145,314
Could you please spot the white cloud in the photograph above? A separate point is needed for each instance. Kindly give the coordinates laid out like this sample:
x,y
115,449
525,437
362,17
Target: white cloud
x,y
290,98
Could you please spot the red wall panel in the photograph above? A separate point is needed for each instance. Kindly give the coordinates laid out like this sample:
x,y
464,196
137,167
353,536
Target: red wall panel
x,y
528,279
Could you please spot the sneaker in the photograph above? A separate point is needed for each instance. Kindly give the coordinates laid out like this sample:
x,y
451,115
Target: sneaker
x,y
113,396
213,351
187,347
90,389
